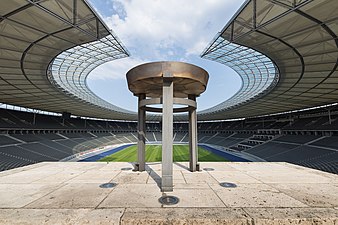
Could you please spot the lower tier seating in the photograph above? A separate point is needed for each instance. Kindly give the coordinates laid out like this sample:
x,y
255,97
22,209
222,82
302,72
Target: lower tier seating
x,y
318,152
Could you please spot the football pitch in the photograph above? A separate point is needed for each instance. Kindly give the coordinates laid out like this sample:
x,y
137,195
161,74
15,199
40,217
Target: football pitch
x,y
154,154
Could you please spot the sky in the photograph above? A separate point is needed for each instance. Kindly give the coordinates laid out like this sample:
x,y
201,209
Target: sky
x,y
164,30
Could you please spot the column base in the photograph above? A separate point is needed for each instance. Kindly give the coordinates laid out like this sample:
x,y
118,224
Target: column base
x,y
138,167
167,189
197,168
167,183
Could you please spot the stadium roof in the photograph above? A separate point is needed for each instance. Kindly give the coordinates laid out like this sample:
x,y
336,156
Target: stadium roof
x,y
285,51
300,39
48,48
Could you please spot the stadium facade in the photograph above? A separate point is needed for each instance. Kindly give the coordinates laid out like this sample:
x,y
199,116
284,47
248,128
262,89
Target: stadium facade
x,y
48,48
284,51
286,54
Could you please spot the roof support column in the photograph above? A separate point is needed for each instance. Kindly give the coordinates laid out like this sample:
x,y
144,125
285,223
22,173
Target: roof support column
x,y
254,14
330,120
74,12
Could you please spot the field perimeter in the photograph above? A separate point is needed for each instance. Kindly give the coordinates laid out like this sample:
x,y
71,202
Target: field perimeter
x,y
154,154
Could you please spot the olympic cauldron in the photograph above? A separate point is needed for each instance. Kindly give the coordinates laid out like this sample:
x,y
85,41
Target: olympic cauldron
x,y
169,84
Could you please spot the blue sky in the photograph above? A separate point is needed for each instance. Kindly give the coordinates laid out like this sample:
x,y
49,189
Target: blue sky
x,y
164,30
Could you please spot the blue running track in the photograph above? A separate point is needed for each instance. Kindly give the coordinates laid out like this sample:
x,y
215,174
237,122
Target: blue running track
x,y
94,158
229,156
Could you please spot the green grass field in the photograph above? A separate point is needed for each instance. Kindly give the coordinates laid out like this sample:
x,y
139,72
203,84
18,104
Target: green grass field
x,y
154,154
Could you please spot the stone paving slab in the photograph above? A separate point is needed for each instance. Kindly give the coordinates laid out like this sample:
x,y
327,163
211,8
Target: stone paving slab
x,y
116,166
217,166
255,195
60,177
314,195
265,193
233,177
93,176
26,177
72,196
196,198
199,177
133,195
285,177
130,177
61,216
19,169
19,195
155,177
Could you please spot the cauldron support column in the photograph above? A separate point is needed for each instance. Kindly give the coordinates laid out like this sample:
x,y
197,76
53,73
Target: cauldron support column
x,y
141,135
167,132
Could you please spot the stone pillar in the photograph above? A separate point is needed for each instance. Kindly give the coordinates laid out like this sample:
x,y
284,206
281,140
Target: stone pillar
x,y
193,148
167,132
141,135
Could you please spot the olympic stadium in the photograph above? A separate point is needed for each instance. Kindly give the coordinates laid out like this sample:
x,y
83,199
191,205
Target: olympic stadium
x,y
266,155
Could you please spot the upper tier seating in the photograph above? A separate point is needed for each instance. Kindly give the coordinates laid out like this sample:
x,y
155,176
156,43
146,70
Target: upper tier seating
x,y
297,139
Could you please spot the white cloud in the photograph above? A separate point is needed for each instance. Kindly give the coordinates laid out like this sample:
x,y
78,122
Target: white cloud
x,y
163,30
153,29
115,69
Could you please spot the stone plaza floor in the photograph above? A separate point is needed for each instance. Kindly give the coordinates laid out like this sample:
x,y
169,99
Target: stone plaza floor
x,y
263,193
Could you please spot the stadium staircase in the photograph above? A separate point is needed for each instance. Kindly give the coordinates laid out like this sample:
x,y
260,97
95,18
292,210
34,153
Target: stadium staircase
x,y
255,140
